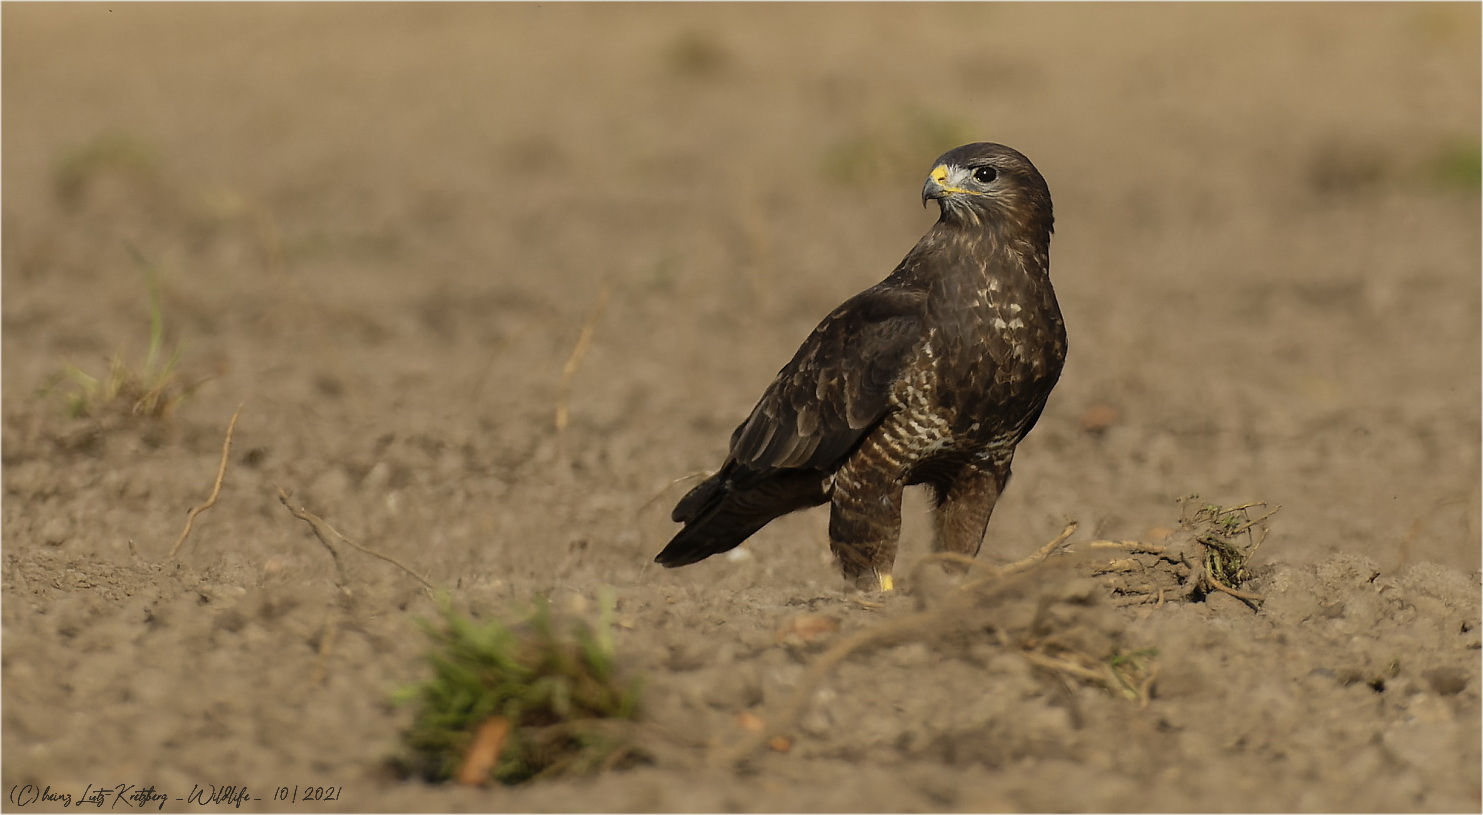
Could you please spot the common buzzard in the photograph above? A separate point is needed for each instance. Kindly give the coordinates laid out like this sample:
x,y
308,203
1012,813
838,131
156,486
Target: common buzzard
x,y
931,376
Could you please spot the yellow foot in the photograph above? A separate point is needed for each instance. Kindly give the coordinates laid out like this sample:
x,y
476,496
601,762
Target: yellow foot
x,y
872,581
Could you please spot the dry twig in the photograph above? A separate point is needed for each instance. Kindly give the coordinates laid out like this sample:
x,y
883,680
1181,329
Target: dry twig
x,y
324,531
574,361
686,477
1250,599
1035,559
1066,666
221,474
1043,552
1136,547
484,752
1254,521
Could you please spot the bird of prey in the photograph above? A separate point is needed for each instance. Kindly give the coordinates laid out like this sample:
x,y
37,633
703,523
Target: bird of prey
x,y
931,376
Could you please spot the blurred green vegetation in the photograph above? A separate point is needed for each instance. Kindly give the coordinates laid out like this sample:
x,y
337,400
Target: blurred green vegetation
x,y
1458,166
907,141
108,153
553,680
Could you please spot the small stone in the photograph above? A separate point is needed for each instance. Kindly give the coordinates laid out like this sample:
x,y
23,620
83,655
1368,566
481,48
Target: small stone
x,y
749,721
1097,418
807,629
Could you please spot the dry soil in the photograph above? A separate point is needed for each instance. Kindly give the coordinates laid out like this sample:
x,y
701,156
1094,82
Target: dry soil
x,y
383,230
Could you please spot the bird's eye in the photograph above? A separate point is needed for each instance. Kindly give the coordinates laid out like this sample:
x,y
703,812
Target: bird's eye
x,y
985,174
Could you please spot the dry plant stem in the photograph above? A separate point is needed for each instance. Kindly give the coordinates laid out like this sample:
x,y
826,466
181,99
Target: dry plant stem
x,y
1137,547
1247,505
1145,688
574,362
1064,666
1018,566
1044,552
484,752
324,531
685,477
1107,677
322,655
1253,522
221,474
315,523
1253,600
1068,667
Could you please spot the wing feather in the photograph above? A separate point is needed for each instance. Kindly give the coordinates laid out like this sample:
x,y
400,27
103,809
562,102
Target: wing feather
x,y
837,386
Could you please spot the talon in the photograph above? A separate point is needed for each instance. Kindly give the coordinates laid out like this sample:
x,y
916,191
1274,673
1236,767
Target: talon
x,y
887,584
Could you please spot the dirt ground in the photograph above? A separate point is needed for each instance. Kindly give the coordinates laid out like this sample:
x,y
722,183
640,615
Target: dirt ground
x,y
383,230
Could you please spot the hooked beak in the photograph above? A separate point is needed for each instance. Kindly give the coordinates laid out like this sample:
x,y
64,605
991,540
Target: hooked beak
x,y
936,187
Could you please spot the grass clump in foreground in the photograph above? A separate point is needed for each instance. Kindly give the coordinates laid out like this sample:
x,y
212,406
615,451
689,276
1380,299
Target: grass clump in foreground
x,y
512,703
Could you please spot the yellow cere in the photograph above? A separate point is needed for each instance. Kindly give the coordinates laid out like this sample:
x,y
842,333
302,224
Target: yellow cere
x,y
939,174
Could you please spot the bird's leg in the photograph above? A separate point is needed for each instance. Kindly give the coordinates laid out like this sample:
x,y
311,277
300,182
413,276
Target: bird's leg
x,y
964,504
866,544
865,521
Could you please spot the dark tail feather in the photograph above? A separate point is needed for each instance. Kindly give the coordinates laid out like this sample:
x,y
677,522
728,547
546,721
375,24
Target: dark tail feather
x,y
708,536
701,497
718,516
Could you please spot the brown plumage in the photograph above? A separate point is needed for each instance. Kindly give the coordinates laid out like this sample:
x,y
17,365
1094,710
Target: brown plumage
x,y
931,376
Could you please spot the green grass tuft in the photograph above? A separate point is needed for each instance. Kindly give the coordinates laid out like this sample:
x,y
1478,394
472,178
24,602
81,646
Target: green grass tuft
x,y
553,679
150,390
114,153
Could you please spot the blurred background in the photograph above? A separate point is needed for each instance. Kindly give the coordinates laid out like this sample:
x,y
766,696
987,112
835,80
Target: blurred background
x,y
396,219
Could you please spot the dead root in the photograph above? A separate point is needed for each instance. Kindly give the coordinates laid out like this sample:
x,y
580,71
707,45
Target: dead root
x,y
221,474
1210,552
324,532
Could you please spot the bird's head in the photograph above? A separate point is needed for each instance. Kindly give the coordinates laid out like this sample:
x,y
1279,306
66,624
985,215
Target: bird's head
x,y
986,183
